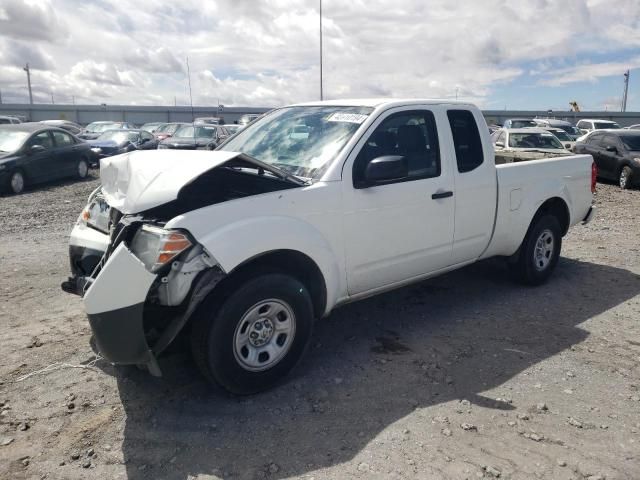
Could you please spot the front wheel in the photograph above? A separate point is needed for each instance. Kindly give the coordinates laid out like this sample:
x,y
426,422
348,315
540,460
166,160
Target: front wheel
x,y
625,178
256,336
16,182
538,255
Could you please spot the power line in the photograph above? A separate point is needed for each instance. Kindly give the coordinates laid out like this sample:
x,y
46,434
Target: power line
x,y
190,94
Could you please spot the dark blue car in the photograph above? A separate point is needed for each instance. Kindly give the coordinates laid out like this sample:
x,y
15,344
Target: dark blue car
x,y
34,153
115,142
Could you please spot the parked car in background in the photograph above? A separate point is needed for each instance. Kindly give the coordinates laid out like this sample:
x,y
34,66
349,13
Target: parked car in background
x,y
209,120
32,153
95,129
561,135
616,153
233,128
520,144
67,125
115,142
166,130
568,127
9,120
151,126
248,118
519,123
633,127
275,231
196,137
587,125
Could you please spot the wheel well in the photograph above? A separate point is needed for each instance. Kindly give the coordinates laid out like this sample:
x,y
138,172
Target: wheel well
x,y
291,262
558,208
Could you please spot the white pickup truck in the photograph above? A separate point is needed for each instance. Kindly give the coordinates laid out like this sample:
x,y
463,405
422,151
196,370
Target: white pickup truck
x,y
308,208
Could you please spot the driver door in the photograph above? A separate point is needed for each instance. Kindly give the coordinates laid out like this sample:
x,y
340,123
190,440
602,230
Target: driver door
x,y
40,166
399,229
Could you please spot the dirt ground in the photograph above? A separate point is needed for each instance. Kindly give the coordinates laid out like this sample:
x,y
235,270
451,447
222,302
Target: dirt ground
x,y
462,376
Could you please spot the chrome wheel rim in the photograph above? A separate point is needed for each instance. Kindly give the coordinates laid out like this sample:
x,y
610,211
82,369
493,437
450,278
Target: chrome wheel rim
x,y
82,169
264,335
623,179
543,251
17,182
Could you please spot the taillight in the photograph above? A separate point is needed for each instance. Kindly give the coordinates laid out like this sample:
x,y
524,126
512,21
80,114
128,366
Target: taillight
x,y
594,176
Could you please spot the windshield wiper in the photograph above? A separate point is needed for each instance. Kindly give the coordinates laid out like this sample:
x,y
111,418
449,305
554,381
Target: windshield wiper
x,y
274,170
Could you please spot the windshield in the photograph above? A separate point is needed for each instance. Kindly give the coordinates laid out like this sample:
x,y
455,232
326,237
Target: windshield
x,y
523,123
632,142
11,140
232,128
570,129
101,127
299,140
604,125
149,127
199,132
534,140
168,128
119,136
562,135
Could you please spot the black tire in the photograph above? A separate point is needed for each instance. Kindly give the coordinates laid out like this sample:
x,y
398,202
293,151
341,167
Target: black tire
x,y
82,169
218,323
534,262
14,185
625,178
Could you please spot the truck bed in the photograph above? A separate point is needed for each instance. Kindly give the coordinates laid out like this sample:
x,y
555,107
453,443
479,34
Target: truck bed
x,y
524,186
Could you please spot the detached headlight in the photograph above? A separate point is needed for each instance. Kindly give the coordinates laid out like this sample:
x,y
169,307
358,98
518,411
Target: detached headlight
x,y
156,247
96,213
96,150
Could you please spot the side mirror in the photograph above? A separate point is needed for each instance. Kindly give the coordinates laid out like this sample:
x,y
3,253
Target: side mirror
x,y
567,146
611,148
33,149
500,144
385,168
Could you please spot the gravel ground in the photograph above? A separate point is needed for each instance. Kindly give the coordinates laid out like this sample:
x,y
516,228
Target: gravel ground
x,y
462,376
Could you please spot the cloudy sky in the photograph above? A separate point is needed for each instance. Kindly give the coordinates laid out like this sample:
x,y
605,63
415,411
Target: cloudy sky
x,y
518,54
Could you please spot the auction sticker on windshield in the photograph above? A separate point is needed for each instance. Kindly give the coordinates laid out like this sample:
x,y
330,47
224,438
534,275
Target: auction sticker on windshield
x,y
347,117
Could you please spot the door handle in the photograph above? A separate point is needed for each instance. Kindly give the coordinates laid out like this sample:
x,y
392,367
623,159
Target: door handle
x,y
439,195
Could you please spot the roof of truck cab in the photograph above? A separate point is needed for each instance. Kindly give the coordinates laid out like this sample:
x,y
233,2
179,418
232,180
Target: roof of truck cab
x,y
596,120
527,130
381,102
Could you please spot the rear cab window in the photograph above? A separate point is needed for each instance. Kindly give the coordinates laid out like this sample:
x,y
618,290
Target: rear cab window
x,y
466,140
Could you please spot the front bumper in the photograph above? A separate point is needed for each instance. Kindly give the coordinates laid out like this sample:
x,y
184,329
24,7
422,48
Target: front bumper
x,y
114,302
86,247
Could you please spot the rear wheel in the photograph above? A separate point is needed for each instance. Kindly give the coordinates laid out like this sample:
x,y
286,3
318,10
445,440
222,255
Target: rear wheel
x,y
256,336
538,255
625,178
82,169
16,182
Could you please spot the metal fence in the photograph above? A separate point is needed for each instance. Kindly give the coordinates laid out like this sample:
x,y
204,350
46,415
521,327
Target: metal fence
x,y
85,114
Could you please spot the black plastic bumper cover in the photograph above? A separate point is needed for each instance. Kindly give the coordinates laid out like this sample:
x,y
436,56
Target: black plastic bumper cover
x,y
120,337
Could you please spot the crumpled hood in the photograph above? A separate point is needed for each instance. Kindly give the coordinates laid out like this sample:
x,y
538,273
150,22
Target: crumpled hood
x,y
140,180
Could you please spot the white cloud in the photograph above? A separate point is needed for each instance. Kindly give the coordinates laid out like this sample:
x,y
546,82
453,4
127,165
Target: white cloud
x,y
265,52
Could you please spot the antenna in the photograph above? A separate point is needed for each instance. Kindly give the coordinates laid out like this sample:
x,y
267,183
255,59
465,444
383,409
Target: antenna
x,y
190,94
193,125
626,91
321,93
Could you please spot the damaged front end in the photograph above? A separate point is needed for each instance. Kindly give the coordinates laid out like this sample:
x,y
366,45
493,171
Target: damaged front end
x,y
150,280
146,287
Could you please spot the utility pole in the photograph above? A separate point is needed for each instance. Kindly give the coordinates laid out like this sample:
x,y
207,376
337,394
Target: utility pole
x,y
626,91
73,99
321,92
0,96
26,69
52,102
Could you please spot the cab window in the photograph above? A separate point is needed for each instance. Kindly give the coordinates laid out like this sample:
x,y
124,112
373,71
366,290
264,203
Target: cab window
x,y
43,139
466,140
62,139
410,134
